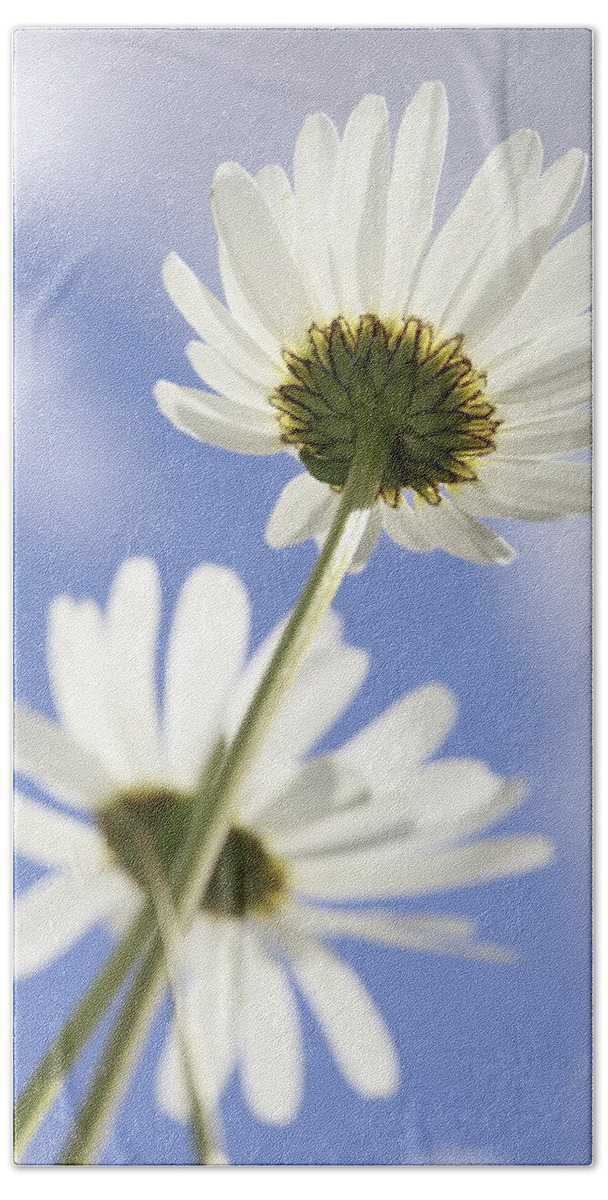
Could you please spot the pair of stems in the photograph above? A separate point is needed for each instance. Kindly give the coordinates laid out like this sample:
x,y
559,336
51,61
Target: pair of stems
x,y
214,806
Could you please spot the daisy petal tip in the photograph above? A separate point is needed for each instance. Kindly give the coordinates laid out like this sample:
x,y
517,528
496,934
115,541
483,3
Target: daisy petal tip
x,y
386,1085
227,173
172,265
515,790
433,92
273,537
164,393
371,107
505,555
546,852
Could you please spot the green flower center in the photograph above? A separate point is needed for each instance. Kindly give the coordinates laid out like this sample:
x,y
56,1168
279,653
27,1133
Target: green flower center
x,y
246,878
422,393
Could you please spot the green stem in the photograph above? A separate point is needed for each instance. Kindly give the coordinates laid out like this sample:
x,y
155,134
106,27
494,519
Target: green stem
x,y
46,1082
119,1058
142,844
214,807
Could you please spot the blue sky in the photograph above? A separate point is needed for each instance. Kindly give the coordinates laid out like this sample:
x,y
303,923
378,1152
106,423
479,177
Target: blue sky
x,y
118,133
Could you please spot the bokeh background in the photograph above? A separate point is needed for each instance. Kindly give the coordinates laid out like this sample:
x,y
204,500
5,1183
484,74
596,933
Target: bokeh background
x,y
117,136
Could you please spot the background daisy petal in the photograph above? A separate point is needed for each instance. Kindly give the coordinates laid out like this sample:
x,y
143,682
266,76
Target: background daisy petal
x,y
207,646
356,1033
270,1037
56,839
56,912
404,735
132,620
389,870
76,652
47,754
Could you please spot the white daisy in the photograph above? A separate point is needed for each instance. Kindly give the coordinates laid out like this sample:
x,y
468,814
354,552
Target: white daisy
x,y
375,819
470,352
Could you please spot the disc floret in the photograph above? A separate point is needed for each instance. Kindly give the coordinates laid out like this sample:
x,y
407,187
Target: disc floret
x,y
247,878
420,393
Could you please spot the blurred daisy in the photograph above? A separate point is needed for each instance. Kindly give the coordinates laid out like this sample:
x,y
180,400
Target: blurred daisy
x,y
373,820
469,354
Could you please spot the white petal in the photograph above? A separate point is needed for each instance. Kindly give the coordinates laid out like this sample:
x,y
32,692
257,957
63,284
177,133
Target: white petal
x,y
452,529
311,791
130,900
455,797
534,368
48,755
417,167
404,735
327,683
200,415
210,958
56,912
78,664
564,394
315,161
265,269
270,1037
531,489
55,839
359,231
390,871
243,311
432,935
444,800
522,235
328,639
403,526
207,646
368,541
559,291
243,393
304,510
215,324
356,1033
132,620
497,184
276,190
555,433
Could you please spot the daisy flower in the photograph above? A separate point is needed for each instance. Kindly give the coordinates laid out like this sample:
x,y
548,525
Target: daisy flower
x,y
373,820
468,353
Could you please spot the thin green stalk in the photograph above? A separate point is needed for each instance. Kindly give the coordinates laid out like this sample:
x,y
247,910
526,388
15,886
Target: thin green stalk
x,y
212,817
206,1138
46,1082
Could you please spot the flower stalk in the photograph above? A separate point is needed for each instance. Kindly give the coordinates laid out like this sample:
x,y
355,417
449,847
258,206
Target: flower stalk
x,y
215,804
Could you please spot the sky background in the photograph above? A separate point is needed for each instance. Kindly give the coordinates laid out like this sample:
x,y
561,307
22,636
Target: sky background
x,y
118,133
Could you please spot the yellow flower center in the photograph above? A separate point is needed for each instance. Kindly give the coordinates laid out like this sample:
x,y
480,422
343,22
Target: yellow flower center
x,y
423,394
246,878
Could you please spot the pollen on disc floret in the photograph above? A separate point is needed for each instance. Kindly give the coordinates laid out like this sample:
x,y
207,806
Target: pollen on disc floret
x,y
422,393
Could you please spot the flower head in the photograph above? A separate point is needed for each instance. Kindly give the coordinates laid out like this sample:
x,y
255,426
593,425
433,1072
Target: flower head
x,y
378,818
469,353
